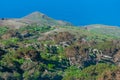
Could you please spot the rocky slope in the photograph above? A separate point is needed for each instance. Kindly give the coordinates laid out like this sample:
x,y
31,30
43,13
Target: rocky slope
x,y
44,52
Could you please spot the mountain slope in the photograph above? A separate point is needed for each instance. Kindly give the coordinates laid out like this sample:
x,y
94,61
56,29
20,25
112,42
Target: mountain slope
x,y
33,18
42,19
57,52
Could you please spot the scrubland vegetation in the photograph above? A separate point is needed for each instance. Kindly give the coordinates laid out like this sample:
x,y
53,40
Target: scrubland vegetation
x,y
36,52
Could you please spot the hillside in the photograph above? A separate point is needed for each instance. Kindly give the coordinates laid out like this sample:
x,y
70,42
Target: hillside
x,y
33,18
49,52
104,29
42,19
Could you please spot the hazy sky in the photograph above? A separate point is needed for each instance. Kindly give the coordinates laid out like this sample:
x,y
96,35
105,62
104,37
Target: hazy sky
x,y
79,12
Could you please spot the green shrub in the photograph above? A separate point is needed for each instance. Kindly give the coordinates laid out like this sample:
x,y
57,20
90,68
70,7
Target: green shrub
x,y
35,28
50,66
3,30
89,73
11,41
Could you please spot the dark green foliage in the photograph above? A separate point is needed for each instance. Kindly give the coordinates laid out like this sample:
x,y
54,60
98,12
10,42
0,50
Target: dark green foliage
x,y
36,28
